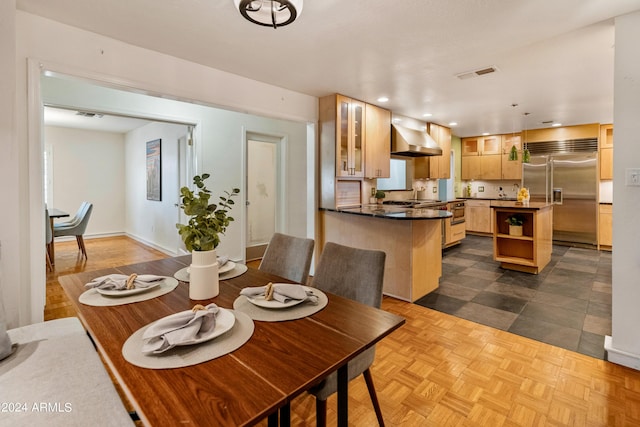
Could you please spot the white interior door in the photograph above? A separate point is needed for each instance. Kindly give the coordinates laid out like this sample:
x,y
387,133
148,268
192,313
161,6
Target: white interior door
x,y
262,195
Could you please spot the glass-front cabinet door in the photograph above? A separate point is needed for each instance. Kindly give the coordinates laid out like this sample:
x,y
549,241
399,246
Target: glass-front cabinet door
x,y
350,137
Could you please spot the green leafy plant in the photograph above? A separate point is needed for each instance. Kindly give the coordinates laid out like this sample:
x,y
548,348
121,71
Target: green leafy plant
x,y
379,194
206,221
515,219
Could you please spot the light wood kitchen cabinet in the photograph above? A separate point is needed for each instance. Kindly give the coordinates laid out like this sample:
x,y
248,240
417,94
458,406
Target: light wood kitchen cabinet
x,y
477,216
606,152
482,167
605,226
488,149
436,167
481,145
562,133
511,169
350,119
377,142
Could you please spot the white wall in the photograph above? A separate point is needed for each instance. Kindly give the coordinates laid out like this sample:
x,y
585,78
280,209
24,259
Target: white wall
x,y
14,250
89,166
72,51
148,220
624,344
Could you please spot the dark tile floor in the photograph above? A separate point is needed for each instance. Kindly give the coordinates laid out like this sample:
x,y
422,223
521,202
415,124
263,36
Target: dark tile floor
x,y
567,305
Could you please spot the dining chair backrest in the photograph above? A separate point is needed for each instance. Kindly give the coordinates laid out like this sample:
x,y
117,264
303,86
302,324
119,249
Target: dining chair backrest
x,y
289,257
47,222
357,274
79,228
76,218
353,273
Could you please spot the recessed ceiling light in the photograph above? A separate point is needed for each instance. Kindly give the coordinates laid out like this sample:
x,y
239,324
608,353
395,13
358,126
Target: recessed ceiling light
x,y
383,99
485,133
453,124
555,125
427,115
396,120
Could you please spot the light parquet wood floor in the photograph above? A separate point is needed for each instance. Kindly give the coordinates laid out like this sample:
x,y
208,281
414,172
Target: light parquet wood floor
x,y
437,370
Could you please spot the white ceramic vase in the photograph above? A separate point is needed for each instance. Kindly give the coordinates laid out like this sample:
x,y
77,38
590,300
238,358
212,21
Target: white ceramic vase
x,y
203,275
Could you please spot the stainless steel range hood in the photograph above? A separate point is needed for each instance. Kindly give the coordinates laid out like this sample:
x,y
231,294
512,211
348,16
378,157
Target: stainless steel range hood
x,y
413,143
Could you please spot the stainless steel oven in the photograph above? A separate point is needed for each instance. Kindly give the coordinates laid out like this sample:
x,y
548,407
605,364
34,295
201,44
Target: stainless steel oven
x,y
457,209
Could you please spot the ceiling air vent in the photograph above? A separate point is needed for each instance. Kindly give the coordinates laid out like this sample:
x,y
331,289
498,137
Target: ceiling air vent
x,y
477,73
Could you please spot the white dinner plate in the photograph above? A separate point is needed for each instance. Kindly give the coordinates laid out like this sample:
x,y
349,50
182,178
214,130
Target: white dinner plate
x,y
127,292
230,265
224,322
261,302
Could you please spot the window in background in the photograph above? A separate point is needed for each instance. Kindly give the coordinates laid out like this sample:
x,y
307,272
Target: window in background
x,y
398,177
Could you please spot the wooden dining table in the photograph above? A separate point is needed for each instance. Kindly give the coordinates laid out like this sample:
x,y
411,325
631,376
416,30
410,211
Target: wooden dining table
x,y
280,361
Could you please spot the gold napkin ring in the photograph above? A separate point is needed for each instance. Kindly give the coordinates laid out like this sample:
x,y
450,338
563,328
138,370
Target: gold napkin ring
x,y
130,280
268,292
198,307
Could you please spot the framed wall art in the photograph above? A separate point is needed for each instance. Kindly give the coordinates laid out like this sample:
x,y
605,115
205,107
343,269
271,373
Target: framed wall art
x,y
154,170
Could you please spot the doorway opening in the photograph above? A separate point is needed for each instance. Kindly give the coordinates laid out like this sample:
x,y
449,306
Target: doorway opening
x,y
264,191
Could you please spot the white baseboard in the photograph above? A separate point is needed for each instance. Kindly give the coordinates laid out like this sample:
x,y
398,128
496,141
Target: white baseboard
x,y
621,357
134,237
153,245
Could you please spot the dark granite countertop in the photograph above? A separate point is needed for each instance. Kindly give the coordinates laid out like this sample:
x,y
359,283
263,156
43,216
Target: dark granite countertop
x,y
387,212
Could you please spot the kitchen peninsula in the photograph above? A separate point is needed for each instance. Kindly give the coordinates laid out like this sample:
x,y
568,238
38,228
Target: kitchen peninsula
x,y
411,238
531,251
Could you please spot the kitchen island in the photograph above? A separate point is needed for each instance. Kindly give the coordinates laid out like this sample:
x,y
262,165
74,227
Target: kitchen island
x,y
411,238
531,251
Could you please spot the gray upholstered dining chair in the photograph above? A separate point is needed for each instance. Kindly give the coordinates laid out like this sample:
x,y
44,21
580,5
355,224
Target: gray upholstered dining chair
x,y
76,218
356,274
77,229
289,257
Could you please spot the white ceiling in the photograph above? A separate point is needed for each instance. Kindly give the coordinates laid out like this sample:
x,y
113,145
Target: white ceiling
x,y
91,121
555,57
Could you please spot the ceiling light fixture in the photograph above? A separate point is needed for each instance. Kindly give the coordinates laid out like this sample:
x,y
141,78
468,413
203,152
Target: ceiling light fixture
x,y
453,123
555,125
383,99
270,13
427,115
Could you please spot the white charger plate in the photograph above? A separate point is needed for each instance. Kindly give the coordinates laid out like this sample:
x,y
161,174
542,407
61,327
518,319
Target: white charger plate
x,y
224,322
261,302
230,265
127,292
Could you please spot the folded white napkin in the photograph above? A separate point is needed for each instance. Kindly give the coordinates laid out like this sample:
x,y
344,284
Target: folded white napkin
x,y
222,260
282,292
181,328
118,282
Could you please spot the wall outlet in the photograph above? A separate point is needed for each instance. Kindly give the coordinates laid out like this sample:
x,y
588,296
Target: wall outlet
x,y
435,190
373,191
481,189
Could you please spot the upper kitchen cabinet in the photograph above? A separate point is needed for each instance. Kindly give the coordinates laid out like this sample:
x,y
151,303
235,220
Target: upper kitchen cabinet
x,y
482,145
436,167
564,133
342,128
378,142
482,157
511,169
606,152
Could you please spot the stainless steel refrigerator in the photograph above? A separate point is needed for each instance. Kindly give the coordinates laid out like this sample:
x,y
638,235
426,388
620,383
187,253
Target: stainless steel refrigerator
x,y
570,182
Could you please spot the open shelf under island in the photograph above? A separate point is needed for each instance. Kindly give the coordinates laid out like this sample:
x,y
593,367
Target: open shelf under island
x,y
530,252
